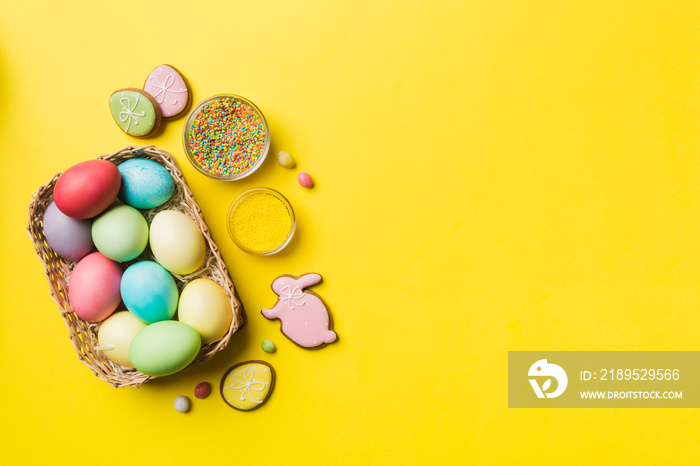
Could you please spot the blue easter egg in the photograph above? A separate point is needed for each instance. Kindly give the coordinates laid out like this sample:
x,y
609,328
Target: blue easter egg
x,y
145,183
149,292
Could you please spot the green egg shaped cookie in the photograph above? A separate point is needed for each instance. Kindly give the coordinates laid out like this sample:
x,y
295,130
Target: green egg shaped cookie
x,y
135,111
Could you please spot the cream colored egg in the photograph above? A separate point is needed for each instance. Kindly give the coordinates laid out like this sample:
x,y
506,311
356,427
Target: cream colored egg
x,y
205,307
115,335
176,242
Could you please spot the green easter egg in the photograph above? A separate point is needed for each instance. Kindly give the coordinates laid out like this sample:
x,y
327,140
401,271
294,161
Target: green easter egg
x,y
120,233
164,348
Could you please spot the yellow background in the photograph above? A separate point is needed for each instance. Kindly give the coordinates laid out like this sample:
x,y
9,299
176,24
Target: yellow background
x,y
491,176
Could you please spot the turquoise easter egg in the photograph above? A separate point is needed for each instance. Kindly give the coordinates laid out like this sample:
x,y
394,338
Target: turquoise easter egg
x,y
149,291
145,183
164,348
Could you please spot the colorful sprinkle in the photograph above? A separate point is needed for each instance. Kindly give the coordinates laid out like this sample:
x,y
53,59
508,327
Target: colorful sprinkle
x,y
227,137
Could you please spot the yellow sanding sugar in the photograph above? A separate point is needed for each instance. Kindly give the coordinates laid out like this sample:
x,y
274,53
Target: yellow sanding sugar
x,y
260,222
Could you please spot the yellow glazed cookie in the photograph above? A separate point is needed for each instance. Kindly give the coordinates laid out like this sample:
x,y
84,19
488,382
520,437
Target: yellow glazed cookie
x,y
247,385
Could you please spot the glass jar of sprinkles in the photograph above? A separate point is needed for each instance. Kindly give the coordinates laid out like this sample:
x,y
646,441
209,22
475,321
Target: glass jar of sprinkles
x,y
261,221
226,137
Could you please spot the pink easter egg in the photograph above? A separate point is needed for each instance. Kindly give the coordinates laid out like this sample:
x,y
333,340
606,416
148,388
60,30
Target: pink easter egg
x,y
93,290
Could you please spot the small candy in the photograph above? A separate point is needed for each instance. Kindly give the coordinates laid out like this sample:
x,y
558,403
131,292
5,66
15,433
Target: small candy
x,y
182,404
286,160
268,346
305,180
202,390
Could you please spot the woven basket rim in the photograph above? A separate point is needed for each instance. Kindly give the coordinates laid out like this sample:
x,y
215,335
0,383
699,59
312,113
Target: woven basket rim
x,y
82,334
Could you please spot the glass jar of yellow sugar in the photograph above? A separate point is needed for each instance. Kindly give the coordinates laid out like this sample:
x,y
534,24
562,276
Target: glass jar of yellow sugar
x,y
261,221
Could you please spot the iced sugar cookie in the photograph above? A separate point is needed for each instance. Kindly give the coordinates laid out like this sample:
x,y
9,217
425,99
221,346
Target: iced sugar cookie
x,y
169,89
247,385
135,111
304,315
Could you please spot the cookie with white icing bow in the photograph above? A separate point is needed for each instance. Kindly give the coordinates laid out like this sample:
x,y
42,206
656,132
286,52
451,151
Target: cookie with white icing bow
x,y
169,89
135,111
304,316
247,385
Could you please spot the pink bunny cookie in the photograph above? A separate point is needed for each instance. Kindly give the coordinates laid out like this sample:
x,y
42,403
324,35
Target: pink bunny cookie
x,y
304,315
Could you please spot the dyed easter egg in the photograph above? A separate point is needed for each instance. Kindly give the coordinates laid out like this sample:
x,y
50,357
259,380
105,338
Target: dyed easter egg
x,y
135,112
169,89
86,189
205,307
120,233
93,290
115,334
145,183
176,242
69,237
149,291
164,348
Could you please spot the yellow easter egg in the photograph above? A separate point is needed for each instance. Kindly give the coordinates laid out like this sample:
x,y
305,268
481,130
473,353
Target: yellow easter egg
x,y
205,307
177,242
115,334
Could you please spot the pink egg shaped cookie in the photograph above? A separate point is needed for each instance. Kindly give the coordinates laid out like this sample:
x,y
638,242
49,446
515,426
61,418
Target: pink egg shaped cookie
x,y
304,316
169,89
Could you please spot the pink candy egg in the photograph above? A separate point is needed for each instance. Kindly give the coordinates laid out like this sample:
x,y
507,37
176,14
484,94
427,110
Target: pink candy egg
x,y
86,189
93,289
305,180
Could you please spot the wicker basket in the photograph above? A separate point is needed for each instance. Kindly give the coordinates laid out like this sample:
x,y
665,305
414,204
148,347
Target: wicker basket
x,y
83,334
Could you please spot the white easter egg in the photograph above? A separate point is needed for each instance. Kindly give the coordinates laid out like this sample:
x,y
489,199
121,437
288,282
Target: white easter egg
x,y
115,334
177,242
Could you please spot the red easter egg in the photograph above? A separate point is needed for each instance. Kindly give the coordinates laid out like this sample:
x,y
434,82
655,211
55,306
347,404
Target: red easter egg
x,y
93,290
86,189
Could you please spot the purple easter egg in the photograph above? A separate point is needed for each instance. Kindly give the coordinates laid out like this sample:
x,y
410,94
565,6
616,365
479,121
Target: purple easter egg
x,y
69,237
